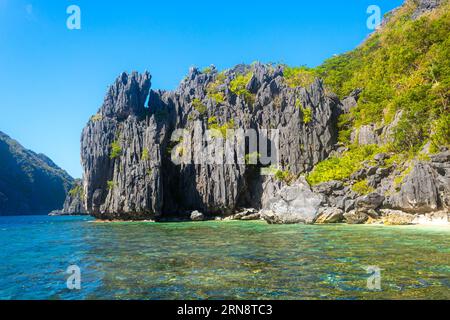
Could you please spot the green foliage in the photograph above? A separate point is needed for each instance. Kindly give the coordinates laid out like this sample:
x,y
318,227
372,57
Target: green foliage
x,y
341,168
404,66
298,76
307,115
116,149
179,151
219,97
214,89
239,87
207,70
307,112
213,124
212,121
172,144
199,106
362,188
344,128
96,117
285,176
441,133
145,155
110,185
398,181
77,192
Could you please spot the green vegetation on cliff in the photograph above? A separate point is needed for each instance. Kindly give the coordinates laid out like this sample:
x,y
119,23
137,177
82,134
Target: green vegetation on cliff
x,y
213,124
77,191
403,70
239,87
403,66
298,76
116,149
340,168
199,106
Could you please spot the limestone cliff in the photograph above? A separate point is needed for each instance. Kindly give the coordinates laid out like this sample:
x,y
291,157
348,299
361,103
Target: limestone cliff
x,y
126,146
382,146
74,202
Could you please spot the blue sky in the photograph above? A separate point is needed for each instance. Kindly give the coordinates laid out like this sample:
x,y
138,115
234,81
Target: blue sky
x,y
53,79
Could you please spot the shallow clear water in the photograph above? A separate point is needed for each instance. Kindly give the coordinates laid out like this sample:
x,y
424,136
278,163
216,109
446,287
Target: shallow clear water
x,y
219,260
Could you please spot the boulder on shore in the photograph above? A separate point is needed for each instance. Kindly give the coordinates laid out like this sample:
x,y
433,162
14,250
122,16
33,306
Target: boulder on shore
x,y
396,217
369,202
293,204
355,217
329,215
197,216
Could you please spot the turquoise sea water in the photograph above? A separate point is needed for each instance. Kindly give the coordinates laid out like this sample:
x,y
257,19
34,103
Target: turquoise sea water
x,y
219,260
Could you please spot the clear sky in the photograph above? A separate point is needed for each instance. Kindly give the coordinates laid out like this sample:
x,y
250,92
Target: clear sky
x,y
53,79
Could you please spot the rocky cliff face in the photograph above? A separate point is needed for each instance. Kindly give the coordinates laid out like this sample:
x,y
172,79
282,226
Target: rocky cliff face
x,y
30,183
74,203
126,147
127,150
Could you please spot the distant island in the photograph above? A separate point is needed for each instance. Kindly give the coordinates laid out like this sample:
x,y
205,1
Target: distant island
x,y
30,183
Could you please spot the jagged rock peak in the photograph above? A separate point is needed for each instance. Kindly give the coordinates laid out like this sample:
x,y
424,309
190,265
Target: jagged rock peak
x,y
127,96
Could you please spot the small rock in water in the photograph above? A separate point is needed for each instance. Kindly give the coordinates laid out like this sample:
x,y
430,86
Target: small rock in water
x,y
197,216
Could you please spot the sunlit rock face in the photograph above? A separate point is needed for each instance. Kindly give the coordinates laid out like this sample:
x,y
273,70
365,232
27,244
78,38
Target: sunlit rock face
x,y
295,203
424,6
126,147
130,172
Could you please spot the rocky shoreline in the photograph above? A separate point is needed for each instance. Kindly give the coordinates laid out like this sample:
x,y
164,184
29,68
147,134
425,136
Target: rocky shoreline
x,y
387,218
